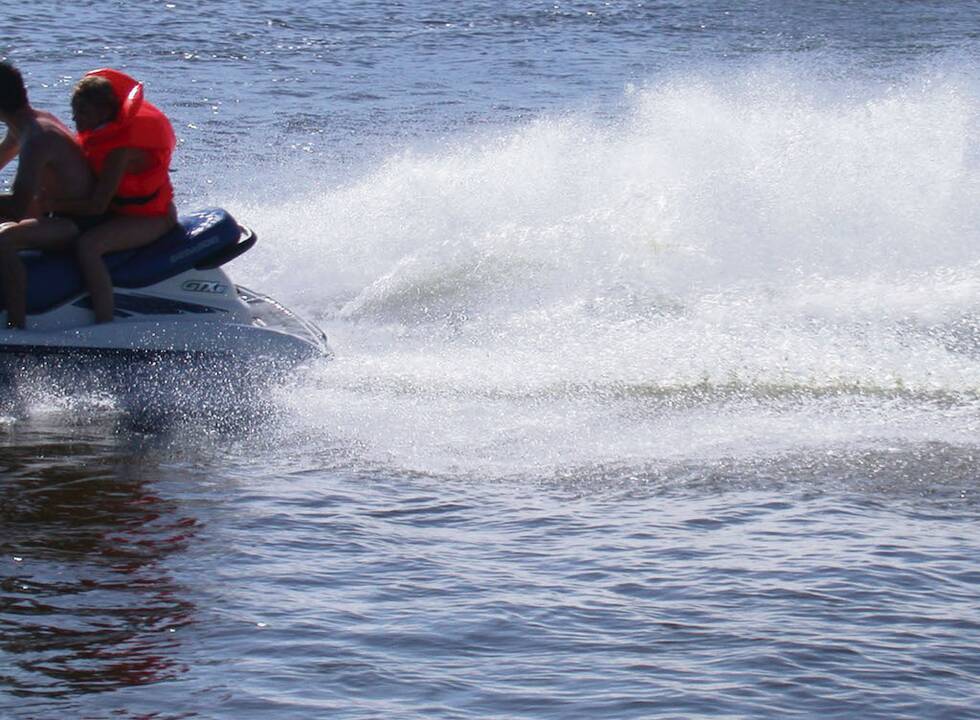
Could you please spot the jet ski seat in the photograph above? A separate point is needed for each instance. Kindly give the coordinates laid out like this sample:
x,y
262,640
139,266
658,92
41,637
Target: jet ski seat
x,y
203,239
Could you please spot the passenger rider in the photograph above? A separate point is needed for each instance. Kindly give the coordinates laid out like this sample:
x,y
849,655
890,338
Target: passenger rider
x,y
128,143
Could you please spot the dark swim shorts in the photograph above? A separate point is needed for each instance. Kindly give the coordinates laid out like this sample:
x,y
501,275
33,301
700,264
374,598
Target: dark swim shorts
x,y
84,223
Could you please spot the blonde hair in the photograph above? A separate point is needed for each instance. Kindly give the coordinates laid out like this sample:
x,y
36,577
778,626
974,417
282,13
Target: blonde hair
x,y
97,91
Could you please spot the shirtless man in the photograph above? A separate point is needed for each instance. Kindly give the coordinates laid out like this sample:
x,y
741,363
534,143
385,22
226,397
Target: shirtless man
x,y
50,165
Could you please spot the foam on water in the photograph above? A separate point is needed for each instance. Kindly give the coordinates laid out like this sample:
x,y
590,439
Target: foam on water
x,y
542,294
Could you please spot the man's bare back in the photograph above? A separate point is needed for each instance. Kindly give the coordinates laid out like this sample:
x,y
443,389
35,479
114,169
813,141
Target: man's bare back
x,y
51,164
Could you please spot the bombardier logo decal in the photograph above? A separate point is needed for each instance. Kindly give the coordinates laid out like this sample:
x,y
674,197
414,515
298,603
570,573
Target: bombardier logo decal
x,y
204,286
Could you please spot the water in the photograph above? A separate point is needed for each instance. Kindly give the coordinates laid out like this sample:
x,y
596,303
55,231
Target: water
x,y
657,376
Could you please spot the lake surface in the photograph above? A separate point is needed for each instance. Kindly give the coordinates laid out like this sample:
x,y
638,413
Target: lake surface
x,y
656,389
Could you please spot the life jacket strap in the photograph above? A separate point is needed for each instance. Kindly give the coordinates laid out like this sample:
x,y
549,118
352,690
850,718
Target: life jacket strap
x,y
137,200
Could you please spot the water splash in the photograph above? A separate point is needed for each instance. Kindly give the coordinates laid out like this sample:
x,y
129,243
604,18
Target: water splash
x,y
755,233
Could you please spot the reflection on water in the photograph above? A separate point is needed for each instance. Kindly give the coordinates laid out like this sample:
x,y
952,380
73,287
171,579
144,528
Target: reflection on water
x,y
86,601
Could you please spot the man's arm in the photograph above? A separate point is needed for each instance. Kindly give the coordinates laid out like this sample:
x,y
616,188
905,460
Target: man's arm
x,y
9,147
8,151
27,183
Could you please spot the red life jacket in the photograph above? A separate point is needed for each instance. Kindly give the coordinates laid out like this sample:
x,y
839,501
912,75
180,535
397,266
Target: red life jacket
x,y
137,125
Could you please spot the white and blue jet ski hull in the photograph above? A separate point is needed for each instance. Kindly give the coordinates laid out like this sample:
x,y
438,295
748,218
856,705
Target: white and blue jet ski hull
x,y
172,299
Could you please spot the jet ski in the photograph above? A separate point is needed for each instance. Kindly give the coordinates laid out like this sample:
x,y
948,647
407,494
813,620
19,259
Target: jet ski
x,y
172,299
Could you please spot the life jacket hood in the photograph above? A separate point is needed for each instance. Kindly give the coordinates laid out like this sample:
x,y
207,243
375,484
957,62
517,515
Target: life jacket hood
x,y
138,124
